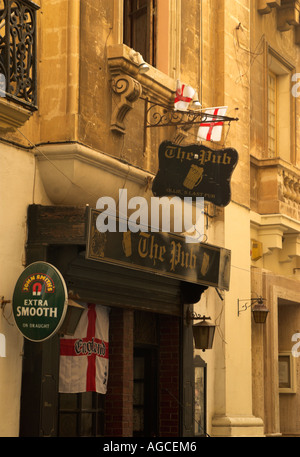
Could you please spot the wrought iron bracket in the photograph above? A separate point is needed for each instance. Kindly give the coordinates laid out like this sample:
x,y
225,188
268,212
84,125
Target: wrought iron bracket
x,y
192,316
258,300
159,115
4,302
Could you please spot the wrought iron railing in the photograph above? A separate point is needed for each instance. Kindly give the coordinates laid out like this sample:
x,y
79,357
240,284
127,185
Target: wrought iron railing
x,y
18,52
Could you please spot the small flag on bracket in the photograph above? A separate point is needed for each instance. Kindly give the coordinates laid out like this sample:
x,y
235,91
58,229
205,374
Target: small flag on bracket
x,y
184,96
211,129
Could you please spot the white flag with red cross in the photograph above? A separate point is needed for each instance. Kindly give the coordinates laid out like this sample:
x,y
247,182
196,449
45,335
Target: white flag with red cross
x,y
84,356
184,95
211,127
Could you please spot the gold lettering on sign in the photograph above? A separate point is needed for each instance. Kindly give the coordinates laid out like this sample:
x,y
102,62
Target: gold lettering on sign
x,y
180,257
147,248
202,157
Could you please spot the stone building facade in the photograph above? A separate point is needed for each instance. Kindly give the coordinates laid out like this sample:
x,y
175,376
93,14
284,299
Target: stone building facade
x,y
76,130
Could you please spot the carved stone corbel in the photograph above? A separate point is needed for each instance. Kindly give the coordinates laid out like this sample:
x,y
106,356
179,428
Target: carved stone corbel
x,y
288,15
264,7
290,248
129,90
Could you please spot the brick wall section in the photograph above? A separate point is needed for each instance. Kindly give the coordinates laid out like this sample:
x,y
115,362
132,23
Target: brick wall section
x,y
169,377
118,406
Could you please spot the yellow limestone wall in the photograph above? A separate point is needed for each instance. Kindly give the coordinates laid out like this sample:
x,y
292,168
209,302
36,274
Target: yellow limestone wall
x,y
226,66
75,103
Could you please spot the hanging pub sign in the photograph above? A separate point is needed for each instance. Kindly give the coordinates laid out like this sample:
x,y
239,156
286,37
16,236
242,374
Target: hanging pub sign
x,y
39,301
165,254
195,171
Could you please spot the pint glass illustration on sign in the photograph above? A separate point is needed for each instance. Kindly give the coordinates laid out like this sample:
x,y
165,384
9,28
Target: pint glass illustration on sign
x,y
195,171
194,177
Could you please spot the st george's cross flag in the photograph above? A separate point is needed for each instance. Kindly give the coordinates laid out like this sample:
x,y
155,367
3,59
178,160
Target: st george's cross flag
x,y
211,129
184,95
84,356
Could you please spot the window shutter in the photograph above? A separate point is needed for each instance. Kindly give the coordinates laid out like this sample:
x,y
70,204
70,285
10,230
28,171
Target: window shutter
x,y
140,27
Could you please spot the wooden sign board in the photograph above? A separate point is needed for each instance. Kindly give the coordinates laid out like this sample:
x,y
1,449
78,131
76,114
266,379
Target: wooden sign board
x,y
195,171
164,254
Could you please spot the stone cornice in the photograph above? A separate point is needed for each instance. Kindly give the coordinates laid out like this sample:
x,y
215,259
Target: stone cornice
x,y
12,115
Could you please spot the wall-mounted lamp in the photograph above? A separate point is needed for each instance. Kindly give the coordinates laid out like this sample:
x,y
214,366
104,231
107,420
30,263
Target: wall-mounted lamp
x,y
195,103
203,332
259,310
137,58
73,315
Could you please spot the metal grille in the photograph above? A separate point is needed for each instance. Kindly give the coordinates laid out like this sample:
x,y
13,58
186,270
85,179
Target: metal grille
x,y
18,51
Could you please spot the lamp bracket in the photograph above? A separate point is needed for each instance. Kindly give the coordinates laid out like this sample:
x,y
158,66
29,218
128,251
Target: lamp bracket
x,y
253,301
3,302
191,316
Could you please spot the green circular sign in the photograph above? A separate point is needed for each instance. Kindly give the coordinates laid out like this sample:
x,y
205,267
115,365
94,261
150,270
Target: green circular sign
x,y
39,301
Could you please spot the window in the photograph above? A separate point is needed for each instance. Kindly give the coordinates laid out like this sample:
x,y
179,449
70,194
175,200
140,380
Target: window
x,y
145,392
145,374
280,109
140,27
272,115
152,28
286,373
81,414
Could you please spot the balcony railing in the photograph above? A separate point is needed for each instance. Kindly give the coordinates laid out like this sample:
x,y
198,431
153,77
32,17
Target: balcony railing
x,y
18,52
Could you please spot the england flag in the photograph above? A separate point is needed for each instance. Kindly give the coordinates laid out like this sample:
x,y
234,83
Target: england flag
x,y
84,356
211,129
184,95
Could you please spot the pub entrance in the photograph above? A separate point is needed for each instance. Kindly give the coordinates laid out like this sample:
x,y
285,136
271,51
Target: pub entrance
x,y
83,414
144,384
148,359
148,337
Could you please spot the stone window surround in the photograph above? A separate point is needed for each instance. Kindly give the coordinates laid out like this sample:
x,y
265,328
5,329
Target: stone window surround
x,y
283,70
168,34
159,83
